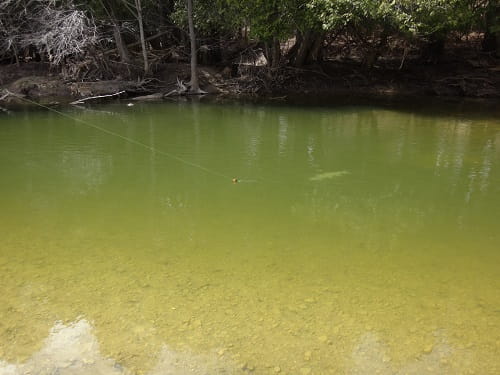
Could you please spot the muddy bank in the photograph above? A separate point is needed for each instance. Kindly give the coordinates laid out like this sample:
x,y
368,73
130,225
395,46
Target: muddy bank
x,y
464,79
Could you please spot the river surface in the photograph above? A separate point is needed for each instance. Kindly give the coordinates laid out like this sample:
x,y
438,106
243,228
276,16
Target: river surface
x,y
357,240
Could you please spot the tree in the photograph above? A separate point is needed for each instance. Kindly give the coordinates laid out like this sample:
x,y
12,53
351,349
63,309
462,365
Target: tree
x,y
138,7
109,8
136,10
56,31
491,41
194,84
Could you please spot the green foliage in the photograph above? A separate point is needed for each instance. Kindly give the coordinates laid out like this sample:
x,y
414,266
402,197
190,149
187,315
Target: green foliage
x,y
212,18
268,20
418,17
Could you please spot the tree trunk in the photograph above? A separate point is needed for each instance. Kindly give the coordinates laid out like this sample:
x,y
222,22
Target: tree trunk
x,y
143,39
307,48
195,86
303,50
490,43
491,40
433,50
292,52
120,45
165,9
316,53
276,53
16,54
272,52
373,52
497,37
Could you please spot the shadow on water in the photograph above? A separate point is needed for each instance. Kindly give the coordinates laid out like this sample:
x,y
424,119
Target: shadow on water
x,y
475,108
446,107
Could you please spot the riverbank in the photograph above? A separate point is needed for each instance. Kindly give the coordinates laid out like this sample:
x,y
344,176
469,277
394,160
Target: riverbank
x,y
479,78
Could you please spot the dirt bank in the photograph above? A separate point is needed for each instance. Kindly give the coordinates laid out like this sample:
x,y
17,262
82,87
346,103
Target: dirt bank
x,y
467,78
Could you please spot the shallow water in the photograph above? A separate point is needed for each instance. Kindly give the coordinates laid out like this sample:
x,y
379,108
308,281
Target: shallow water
x,y
358,240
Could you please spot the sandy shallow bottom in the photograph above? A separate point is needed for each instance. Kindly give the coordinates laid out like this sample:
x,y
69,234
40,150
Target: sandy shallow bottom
x,y
368,314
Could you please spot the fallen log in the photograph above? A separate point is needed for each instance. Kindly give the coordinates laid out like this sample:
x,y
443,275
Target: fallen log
x,y
155,96
8,96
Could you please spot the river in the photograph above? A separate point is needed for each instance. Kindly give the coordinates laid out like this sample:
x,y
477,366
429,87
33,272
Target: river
x,y
354,240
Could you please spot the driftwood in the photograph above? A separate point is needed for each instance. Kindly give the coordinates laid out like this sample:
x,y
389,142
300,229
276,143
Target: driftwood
x,y
81,101
4,95
155,96
183,90
7,96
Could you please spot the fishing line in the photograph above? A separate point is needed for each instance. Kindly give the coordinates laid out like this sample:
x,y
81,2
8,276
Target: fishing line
x,y
130,140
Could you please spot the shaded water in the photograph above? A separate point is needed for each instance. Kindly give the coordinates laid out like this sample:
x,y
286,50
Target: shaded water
x,y
358,241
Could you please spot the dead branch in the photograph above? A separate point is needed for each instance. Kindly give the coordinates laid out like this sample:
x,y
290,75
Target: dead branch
x,y
183,90
62,32
81,101
4,96
59,31
135,44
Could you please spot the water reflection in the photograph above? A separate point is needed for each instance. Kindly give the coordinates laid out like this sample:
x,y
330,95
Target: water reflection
x,y
282,134
311,145
85,171
462,166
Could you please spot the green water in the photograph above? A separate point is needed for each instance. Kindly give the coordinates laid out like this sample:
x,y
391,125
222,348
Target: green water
x,y
357,241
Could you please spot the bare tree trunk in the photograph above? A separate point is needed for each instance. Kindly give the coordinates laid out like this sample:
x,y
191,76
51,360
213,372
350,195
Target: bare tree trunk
x,y
195,86
16,54
143,40
120,45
